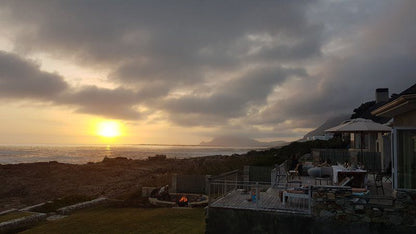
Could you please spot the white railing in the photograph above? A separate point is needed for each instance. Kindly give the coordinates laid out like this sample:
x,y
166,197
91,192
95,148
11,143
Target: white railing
x,y
286,197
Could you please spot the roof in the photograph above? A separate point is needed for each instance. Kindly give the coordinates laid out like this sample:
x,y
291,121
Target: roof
x,y
359,125
404,102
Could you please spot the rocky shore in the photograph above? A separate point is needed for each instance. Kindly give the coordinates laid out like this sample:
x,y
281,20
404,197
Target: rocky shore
x,y
30,183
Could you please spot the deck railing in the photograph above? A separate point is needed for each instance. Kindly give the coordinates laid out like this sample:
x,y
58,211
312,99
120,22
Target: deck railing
x,y
262,195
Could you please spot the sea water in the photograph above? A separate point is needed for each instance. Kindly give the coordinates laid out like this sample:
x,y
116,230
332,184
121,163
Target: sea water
x,y
80,154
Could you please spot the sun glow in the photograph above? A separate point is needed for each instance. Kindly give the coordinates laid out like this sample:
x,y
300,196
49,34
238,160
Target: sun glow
x,y
109,129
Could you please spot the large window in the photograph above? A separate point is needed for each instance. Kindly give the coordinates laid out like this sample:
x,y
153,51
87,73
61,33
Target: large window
x,y
406,159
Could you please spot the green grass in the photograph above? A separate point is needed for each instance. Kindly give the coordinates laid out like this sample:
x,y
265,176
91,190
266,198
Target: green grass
x,y
127,220
66,201
14,215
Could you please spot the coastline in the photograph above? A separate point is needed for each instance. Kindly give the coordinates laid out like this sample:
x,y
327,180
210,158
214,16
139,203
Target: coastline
x,y
81,154
26,184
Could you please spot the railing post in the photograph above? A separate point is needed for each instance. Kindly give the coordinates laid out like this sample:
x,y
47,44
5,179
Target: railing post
x,y
208,183
225,185
310,199
257,195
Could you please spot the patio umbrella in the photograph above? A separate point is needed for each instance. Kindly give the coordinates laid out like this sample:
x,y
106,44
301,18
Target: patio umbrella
x,y
361,126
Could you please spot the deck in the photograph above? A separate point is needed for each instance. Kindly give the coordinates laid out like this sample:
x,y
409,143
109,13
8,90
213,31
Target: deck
x,y
269,201
270,198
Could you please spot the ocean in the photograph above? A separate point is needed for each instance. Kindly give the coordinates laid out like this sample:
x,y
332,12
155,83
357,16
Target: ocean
x,y
80,154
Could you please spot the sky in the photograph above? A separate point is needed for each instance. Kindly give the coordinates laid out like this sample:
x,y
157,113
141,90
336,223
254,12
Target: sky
x,y
182,72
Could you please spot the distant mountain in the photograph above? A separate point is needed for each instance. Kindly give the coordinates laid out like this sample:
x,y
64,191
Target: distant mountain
x,y
332,122
237,141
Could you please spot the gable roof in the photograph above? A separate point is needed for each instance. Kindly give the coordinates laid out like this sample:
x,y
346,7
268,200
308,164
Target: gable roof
x,y
404,102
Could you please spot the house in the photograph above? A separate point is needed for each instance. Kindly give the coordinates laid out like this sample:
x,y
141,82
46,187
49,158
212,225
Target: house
x,y
402,110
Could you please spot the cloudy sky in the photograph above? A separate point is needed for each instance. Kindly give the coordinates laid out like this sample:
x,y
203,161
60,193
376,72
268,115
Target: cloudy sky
x,y
186,71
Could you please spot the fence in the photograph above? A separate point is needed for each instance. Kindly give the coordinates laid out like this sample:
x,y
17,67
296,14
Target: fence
x,y
239,195
370,160
188,184
333,155
259,173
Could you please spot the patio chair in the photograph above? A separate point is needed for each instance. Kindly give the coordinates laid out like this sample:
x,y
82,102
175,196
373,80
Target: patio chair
x,y
378,182
326,175
345,181
294,173
281,174
294,194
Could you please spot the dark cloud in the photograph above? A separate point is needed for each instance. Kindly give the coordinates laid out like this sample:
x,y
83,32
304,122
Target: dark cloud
x,y
243,67
383,57
230,99
22,79
151,40
115,103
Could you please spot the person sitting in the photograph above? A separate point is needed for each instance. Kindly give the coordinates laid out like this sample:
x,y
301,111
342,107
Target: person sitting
x,y
347,164
164,193
295,163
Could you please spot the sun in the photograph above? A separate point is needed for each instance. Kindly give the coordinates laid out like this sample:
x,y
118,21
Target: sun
x,y
109,129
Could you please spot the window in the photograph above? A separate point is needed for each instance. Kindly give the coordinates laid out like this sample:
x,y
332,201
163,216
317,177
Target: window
x,y
406,159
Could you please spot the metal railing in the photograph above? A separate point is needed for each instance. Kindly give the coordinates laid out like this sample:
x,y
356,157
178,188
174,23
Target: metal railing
x,y
283,197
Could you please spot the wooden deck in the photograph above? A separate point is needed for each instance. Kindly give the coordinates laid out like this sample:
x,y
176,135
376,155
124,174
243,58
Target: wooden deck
x,y
269,201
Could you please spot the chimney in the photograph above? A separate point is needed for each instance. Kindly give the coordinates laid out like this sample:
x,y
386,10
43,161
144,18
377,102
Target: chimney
x,y
382,95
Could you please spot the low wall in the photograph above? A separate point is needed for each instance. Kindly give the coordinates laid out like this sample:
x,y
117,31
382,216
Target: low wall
x,y
68,209
341,206
22,223
222,220
334,210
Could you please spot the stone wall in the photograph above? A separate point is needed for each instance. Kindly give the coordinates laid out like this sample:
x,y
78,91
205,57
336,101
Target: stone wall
x,y
340,205
334,210
222,220
69,209
21,223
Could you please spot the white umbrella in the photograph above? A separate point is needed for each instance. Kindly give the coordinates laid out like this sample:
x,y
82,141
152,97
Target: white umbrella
x,y
359,125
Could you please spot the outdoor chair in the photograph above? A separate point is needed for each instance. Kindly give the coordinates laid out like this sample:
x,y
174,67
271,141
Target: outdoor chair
x,y
281,174
326,175
387,177
294,173
293,193
378,182
345,181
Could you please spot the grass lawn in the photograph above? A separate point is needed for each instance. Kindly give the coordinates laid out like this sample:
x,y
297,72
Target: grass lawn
x,y
14,215
127,220
59,203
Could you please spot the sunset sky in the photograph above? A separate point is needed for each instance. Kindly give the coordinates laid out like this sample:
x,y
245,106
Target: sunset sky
x,y
182,72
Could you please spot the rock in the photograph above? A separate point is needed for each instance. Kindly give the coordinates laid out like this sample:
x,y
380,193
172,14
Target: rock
x,y
349,210
55,217
378,220
395,219
340,202
330,196
366,219
358,207
326,214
